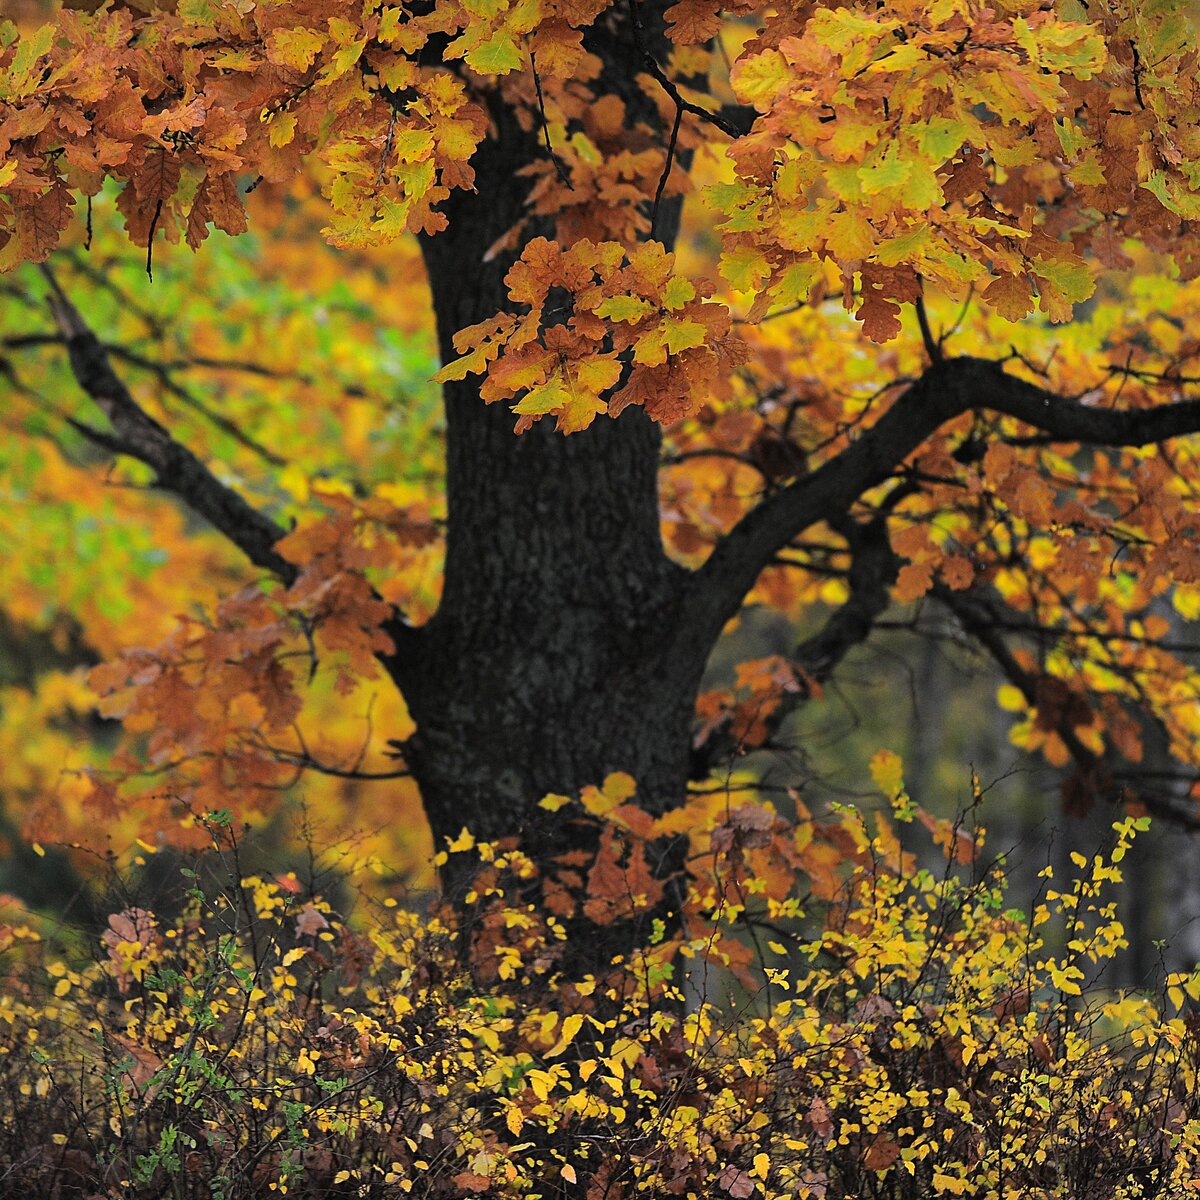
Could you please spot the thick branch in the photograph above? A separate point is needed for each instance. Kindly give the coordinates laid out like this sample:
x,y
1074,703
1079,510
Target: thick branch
x,y
948,389
873,568
716,590
137,434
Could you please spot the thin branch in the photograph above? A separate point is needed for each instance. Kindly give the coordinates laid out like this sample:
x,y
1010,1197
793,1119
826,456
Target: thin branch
x,y
388,142
307,763
137,434
666,171
717,120
192,401
976,617
559,169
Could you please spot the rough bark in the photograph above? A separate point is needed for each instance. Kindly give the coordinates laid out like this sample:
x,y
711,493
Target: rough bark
x,y
547,665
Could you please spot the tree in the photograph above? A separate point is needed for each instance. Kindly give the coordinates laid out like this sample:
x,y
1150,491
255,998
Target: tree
x,y
862,410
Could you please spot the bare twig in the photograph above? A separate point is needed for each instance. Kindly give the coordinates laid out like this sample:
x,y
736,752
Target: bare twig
x,y
559,169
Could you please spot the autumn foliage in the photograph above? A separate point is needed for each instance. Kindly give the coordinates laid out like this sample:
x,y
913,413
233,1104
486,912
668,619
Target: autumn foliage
x,y
875,196
399,404
829,1022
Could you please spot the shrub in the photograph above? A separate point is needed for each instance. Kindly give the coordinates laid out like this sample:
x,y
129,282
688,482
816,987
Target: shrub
x,y
821,1019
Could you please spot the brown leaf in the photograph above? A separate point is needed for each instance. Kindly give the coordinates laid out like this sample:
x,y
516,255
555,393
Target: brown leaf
x,y
1011,296
310,922
819,1118
470,1182
736,1182
881,1153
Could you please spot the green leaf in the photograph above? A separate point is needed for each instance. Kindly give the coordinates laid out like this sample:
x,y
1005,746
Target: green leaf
x,y
497,56
745,268
940,138
884,171
629,309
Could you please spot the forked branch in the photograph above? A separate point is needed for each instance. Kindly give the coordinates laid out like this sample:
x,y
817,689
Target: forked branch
x,y
135,433
873,568
1094,773
948,389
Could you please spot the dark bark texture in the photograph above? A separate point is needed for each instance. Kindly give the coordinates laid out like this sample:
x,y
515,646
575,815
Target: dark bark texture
x,y
548,664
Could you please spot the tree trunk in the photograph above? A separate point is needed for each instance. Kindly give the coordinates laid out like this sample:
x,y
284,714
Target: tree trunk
x,y
545,667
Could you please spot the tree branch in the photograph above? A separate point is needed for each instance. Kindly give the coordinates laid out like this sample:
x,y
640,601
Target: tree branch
x,y
137,434
715,591
873,568
978,619
946,390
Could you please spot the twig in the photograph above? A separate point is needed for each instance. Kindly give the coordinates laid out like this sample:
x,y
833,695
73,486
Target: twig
x,y
559,169
651,65
150,239
666,171
387,149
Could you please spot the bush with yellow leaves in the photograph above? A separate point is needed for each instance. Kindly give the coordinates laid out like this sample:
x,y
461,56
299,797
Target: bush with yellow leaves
x,y
822,1019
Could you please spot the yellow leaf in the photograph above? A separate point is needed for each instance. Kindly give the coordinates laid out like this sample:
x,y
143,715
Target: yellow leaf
x,y
568,1173
283,130
294,481
762,1164
464,841
570,1027
887,770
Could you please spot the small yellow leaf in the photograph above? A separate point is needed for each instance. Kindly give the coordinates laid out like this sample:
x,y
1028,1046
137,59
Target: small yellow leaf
x,y
762,1164
37,849
464,841
570,1027
888,772
553,802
